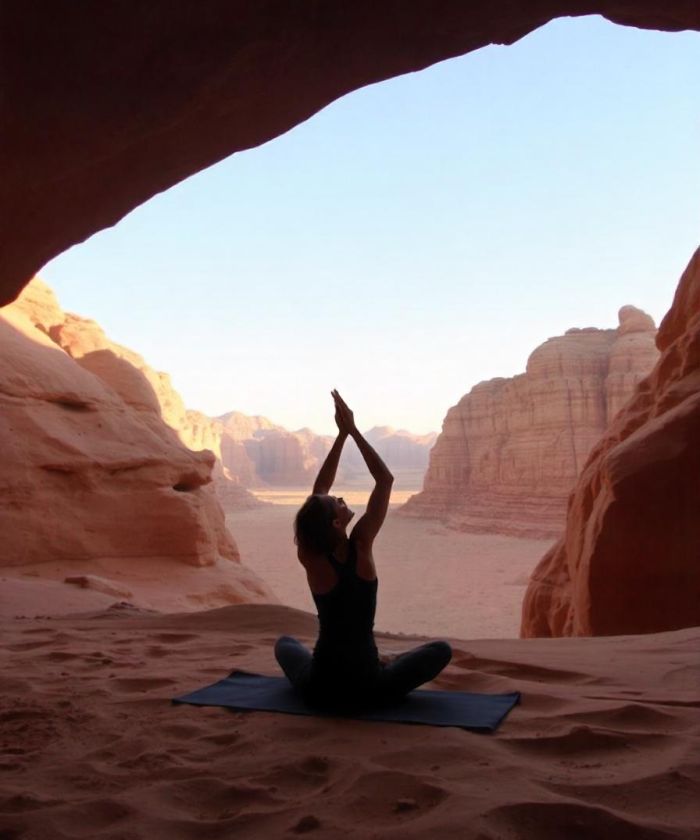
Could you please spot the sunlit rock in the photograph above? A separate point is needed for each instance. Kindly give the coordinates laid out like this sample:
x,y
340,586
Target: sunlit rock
x,y
92,473
511,449
629,561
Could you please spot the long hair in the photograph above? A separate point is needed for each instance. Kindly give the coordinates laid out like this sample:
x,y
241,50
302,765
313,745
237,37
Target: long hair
x,y
313,526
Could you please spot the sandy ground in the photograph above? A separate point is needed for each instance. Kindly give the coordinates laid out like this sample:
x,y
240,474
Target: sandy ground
x,y
432,581
604,744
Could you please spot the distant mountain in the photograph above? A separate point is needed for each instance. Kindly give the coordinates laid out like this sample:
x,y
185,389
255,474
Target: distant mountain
x,y
257,452
400,449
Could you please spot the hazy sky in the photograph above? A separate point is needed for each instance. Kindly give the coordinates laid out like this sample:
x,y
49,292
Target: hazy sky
x,y
416,236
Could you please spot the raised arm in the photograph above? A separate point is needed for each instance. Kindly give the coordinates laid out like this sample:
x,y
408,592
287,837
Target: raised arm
x,y
326,475
369,524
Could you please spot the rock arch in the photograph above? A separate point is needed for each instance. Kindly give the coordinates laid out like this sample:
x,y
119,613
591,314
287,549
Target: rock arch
x,y
106,104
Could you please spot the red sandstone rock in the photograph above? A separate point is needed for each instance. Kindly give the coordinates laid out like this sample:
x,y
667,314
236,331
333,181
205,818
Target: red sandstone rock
x,y
130,113
511,449
106,104
91,472
139,385
629,561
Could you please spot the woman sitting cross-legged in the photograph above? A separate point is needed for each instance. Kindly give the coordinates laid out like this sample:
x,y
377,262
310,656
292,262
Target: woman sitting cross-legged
x,y
344,672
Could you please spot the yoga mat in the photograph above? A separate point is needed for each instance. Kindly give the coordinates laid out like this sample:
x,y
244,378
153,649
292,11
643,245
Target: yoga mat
x,y
244,691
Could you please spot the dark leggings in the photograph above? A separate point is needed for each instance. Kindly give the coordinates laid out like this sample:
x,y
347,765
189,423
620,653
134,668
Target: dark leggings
x,y
395,680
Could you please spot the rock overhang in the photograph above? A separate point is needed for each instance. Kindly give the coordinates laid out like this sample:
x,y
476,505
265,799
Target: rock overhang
x,y
106,105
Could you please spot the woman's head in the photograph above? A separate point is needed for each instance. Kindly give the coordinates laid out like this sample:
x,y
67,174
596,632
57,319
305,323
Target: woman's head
x,y
320,523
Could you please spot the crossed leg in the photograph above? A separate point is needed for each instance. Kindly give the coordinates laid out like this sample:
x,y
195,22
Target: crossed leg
x,y
294,659
406,672
413,668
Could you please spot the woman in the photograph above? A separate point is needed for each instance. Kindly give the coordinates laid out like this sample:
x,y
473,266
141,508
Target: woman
x,y
344,671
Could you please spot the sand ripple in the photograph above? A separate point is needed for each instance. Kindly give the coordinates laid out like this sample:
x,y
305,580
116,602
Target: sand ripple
x,y
602,746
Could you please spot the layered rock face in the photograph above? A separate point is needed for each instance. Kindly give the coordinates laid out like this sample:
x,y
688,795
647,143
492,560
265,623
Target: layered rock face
x,y
511,449
91,471
629,560
139,385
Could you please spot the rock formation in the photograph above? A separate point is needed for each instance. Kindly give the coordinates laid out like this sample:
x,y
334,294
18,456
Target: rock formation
x,y
91,472
629,560
139,385
511,449
131,112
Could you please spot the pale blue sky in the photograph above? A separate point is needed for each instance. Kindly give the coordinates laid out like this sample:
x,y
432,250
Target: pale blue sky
x,y
416,236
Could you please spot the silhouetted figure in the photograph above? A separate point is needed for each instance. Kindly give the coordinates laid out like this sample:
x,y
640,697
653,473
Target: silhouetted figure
x,y
344,672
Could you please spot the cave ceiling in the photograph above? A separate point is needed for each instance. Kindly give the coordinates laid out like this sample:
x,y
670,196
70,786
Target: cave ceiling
x,y
105,104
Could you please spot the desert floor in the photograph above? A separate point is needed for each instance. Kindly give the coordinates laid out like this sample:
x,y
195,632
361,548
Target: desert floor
x,y
432,581
604,744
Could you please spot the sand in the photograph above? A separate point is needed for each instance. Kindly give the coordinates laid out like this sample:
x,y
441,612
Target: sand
x,y
604,745
432,581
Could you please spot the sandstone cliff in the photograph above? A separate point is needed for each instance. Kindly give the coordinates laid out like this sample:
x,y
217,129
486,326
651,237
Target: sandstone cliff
x,y
139,385
629,560
511,449
92,474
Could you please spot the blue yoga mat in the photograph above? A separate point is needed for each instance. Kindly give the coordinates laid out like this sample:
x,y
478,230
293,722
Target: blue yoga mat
x,y
242,691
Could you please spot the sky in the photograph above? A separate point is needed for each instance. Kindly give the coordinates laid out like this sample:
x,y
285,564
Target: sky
x,y
416,236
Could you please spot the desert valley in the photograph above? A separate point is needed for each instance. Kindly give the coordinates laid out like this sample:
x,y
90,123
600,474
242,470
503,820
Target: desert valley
x,y
549,530
121,617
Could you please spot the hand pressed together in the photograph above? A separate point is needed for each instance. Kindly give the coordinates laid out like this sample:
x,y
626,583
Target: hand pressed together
x,y
344,417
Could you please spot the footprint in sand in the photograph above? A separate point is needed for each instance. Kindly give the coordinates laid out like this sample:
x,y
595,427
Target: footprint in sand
x,y
175,638
132,685
517,670
677,791
389,796
19,802
545,819
632,717
212,798
92,818
61,656
305,777
587,741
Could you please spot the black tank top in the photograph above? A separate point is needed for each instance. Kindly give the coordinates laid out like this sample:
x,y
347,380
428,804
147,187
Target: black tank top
x,y
345,654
